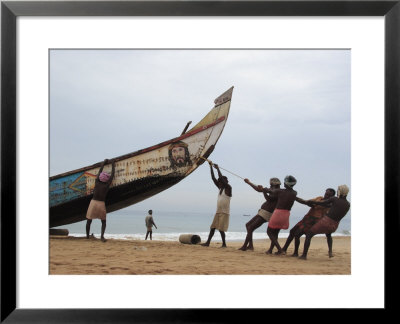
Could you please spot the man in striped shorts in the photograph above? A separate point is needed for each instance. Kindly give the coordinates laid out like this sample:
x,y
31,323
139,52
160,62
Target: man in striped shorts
x,y
263,214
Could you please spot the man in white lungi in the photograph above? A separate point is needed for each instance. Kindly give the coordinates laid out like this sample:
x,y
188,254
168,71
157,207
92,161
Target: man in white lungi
x,y
97,206
221,218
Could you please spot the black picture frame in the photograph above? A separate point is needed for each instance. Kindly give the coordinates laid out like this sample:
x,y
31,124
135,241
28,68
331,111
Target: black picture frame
x,y
10,10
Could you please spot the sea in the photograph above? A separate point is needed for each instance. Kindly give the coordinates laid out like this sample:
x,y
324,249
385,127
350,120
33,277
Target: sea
x,y
128,224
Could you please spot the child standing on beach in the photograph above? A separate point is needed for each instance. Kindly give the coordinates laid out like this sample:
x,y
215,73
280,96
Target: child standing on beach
x,y
149,224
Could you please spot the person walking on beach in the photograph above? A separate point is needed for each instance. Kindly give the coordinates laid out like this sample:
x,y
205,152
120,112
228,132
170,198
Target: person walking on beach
x,y
263,214
149,224
280,217
313,216
97,206
330,222
221,218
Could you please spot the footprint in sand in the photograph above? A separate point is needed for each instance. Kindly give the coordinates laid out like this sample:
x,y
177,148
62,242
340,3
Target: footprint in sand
x,y
140,248
119,268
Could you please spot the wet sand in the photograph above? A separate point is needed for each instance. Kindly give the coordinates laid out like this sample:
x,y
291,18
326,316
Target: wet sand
x,y
72,255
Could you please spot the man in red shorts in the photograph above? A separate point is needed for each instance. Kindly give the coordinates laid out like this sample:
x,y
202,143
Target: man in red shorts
x,y
330,222
280,217
313,216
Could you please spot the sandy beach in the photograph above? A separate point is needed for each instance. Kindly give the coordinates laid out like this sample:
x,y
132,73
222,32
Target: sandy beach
x,y
75,255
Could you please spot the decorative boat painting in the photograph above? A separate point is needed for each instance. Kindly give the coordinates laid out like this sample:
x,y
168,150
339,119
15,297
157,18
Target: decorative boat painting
x,y
141,174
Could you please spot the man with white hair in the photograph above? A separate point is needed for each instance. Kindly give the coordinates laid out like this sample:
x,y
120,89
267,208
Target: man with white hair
x,y
309,220
330,222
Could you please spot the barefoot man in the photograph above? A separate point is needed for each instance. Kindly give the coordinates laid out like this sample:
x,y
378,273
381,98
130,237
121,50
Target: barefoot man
x,y
221,218
149,221
264,213
280,217
97,206
313,216
330,222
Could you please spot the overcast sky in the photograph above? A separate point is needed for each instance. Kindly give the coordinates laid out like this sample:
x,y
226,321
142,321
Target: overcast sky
x,y
290,114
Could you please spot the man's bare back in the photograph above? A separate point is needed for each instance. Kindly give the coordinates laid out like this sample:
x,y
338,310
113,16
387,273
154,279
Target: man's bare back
x,y
286,198
340,207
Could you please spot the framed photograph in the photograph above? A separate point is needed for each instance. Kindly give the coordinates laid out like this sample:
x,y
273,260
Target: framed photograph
x,y
51,53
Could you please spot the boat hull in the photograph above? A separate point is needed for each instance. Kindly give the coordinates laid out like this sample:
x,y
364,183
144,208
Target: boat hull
x,y
118,197
141,174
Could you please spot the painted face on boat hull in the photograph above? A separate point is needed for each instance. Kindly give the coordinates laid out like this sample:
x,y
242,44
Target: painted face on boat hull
x,y
179,154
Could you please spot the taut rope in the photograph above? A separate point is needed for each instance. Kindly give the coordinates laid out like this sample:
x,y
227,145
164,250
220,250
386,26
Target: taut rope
x,y
209,161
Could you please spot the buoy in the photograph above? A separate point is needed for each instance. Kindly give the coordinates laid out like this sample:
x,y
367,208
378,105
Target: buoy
x,y
189,239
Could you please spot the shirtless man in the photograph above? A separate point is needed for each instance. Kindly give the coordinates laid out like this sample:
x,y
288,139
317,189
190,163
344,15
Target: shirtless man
x,y
330,222
221,218
313,216
280,217
264,213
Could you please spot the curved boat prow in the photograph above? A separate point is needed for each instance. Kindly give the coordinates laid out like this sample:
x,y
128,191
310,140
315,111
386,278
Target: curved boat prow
x,y
217,117
225,97
141,174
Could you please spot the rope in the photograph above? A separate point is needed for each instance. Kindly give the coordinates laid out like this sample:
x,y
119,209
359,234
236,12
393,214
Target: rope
x,y
209,161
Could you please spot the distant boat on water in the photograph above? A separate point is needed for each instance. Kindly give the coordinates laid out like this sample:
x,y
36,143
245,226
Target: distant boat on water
x,y
141,174
246,214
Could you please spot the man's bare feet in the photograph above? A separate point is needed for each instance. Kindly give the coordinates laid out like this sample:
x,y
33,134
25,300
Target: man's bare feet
x,y
223,246
295,255
103,239
303,257
242,248
331,255
280,253
268,252
205,244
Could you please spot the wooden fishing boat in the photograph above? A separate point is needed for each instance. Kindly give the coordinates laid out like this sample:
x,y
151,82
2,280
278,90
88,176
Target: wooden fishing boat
x,y
141,174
